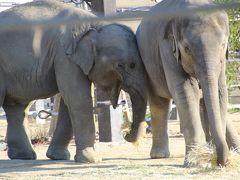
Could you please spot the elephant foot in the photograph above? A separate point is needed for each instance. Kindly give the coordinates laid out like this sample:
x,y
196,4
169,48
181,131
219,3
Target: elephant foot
x,y
24,155
87,155
55,153
157,153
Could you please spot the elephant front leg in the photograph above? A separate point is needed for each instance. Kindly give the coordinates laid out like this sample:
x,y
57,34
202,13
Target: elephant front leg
x,y
187,101
205,121
84,131
159,108
81,114
75,89
185,92
58,149
232,137
19,146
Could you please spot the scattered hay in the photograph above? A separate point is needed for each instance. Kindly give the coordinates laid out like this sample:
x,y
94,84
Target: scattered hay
x,y
39,136
206,157
141,134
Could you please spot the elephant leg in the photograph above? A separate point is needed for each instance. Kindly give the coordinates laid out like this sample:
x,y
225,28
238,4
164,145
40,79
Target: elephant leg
x,y
231,133
19,146
223,98
58,149
186,94
75,88
187,102
204,120
232,137
159,108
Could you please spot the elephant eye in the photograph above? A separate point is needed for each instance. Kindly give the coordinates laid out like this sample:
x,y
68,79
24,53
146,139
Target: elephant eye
x,y
187,49
120,65
132,65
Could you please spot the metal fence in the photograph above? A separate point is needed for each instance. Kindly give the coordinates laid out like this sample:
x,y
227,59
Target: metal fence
x,y
6,25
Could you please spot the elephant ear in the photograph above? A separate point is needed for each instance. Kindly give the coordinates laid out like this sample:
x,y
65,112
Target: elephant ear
x,y
80,48
171,34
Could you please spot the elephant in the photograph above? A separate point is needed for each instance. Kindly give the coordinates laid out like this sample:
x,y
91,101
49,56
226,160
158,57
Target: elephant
x,y
185,61
67,59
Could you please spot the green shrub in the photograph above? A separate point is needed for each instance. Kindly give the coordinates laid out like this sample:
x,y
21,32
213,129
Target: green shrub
x,y
234,24
232,68
232,73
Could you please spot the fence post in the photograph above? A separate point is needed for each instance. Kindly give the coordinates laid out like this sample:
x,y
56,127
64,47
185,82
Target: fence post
x,y
104,7
53,124
104,119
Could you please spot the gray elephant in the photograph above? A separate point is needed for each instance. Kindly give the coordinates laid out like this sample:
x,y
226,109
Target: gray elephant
x,y
67,59
185,57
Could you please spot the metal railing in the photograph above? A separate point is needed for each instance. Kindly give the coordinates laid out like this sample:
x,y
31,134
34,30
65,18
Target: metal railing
x,y
6,24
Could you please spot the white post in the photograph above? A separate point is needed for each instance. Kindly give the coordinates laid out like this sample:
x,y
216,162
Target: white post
x,y
116,117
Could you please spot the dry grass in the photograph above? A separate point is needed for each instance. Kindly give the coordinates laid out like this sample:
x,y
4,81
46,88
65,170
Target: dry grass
x,y
39,135
121,160
141,133
206,157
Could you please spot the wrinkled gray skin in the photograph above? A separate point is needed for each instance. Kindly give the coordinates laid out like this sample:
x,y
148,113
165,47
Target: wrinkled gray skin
x,y
181,55
66,60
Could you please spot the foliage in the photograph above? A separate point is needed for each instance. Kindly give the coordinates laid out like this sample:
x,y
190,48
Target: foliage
x,y
232,73
148,114
233,110
232,70
234,23
126,122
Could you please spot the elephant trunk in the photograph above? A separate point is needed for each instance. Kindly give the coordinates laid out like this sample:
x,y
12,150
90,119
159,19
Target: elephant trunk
x,y
139,104
209,83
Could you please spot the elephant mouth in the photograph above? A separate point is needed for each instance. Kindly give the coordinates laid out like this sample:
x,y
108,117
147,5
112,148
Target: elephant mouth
x,y
114,94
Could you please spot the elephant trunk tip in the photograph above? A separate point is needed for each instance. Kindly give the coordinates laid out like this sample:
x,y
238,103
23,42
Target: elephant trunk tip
x,y
134,135
222,155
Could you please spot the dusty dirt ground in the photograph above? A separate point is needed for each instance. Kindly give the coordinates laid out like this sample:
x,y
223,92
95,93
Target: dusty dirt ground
x,y
121,160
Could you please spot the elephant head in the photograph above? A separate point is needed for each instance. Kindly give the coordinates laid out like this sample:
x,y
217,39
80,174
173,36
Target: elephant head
x,y
199,44
109,56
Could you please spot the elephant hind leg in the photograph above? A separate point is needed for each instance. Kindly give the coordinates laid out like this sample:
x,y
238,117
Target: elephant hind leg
x,y
61,136
159,108
19,146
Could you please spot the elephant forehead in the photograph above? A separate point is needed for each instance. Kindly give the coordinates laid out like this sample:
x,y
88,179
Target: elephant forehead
x,y
111,50
117,52
113,40
215,22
